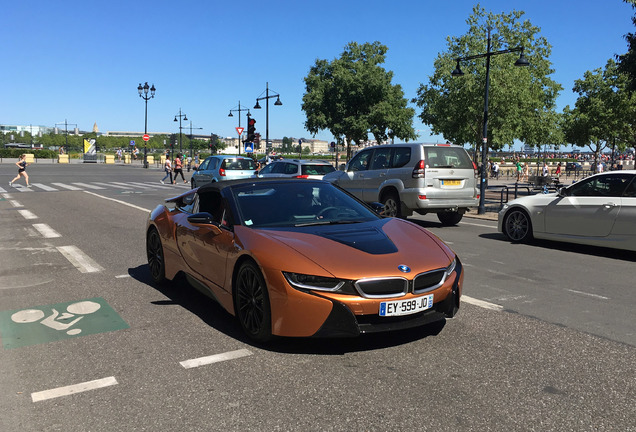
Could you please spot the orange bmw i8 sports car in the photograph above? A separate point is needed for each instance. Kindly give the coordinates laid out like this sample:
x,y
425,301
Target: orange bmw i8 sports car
x,y
301,258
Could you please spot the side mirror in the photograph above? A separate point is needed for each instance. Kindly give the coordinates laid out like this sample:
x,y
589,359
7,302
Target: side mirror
x,y
342,167
562,192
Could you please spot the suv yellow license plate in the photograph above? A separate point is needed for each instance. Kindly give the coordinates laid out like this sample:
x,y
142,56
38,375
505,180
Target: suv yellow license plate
x,y
451,182
406,307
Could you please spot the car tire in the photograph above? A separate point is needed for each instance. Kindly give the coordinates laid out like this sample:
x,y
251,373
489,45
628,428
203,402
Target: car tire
x,y
517,226
392,207
251,303
156,258
449,218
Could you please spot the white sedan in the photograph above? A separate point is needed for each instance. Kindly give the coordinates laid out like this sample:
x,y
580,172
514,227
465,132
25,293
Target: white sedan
x,y
599,210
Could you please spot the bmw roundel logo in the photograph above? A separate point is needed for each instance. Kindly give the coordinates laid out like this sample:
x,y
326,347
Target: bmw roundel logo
x,y
404,269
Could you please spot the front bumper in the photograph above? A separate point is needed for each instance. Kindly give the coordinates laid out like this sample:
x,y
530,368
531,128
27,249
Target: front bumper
x,y
342,322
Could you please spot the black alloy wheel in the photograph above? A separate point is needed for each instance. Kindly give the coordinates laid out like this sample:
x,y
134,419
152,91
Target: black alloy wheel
x,y
154,252
517,226
252,303
391,202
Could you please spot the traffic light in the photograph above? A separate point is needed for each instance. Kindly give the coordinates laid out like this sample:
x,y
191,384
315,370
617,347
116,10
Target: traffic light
x,y
251,130
257,140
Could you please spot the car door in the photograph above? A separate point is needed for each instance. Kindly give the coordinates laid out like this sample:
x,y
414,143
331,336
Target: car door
x,y
203,174
624,225
206,247
589,208
354,178
376,174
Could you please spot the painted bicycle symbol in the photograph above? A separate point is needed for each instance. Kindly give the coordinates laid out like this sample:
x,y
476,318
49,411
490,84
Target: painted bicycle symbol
x,y
58,321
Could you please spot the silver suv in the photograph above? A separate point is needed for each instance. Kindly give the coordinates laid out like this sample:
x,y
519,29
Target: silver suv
x,y
407,178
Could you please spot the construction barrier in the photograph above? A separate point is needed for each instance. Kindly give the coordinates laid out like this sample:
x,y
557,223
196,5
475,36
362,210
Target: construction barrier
x,y
63,158
109,159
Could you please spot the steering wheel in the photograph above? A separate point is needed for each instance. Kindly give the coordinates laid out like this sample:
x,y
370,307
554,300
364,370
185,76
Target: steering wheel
x,y
325,210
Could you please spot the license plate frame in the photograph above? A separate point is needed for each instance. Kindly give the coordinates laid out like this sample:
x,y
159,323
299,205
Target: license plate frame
x,y
408,306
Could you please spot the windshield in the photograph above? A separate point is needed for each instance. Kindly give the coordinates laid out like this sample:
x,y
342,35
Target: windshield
x,y
302,203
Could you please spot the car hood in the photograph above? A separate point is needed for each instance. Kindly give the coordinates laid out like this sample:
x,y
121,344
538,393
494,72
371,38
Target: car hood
x,y
534,200
367,249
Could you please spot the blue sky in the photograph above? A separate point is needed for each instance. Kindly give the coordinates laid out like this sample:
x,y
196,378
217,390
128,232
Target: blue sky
x,y
83,60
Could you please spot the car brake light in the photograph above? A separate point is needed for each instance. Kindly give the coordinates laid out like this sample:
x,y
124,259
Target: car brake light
x,y
422,197
302,176
221,172
419,170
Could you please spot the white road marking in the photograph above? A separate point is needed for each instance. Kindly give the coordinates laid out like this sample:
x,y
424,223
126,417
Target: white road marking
x,y
21,188
122,276
65,186
71,389
79,259
45,187
159,186
589,294
118,201
5,195
231,355
121,185
2,190
481,303
46,231
478,225
88,186
15,203
27,214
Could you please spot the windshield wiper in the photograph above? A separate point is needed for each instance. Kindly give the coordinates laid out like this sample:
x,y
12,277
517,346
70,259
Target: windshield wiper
x,y
336,222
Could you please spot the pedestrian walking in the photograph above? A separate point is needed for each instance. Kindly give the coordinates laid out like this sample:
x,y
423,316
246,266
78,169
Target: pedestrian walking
x,y
178,169
167,167
519,169
21,164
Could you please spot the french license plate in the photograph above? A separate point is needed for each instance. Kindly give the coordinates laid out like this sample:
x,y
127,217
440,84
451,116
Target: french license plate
x,y
406,307
451,182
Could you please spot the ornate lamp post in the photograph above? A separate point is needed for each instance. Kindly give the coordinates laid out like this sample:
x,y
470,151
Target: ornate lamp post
x,y
181,116
484,148
143,93
257,106
191,127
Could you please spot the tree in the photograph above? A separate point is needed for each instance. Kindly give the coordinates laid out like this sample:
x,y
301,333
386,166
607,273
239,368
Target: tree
x,y
604,113
519,97
627,61
353,95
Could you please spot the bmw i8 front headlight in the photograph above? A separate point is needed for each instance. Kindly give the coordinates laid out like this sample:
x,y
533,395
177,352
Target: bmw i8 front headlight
x,y
305,282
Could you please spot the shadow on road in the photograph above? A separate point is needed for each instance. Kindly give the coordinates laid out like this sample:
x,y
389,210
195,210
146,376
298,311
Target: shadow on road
x,y
180,292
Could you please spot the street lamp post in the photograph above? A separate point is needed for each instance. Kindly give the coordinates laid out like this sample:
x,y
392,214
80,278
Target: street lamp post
x,y
257,106
181,116
484,148
191,127
66,132
239,109
143,93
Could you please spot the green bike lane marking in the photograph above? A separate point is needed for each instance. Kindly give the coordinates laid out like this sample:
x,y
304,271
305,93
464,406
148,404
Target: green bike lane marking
x,y
60,321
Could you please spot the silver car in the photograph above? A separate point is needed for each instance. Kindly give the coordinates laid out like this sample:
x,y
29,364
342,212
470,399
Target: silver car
x,y
297,168
599,210
407,178
221,167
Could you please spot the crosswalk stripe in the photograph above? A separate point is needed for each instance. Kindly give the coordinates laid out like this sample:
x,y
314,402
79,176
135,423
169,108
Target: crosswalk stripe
x,y
119,185
141,185
44,187
88,186
65,186
21,188
2,190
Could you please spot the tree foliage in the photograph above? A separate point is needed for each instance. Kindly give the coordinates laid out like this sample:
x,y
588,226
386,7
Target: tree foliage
x,y
353,95
521,99
627,61
604,114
